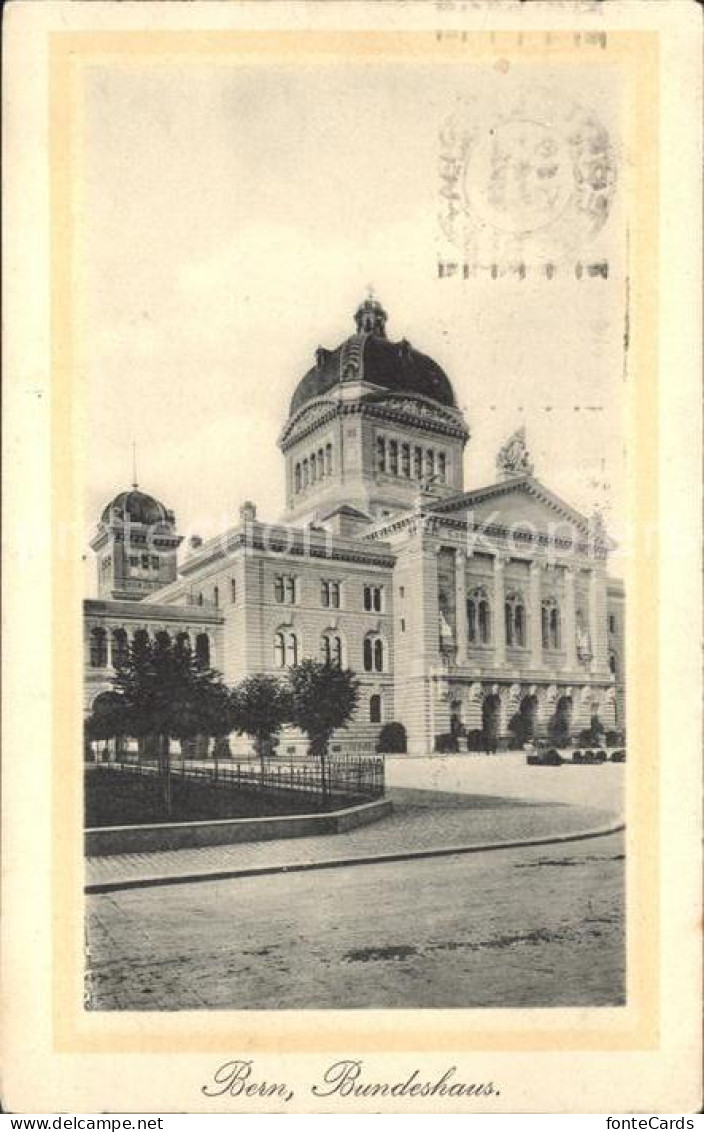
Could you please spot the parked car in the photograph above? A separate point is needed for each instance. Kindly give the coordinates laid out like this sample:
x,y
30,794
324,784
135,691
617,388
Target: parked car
x,y
542,755
589,756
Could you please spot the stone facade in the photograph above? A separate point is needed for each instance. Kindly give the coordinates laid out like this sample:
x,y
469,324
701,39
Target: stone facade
x,y
482,610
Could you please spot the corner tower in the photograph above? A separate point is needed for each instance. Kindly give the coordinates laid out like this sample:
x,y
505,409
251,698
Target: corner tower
x,y
135,545
370,425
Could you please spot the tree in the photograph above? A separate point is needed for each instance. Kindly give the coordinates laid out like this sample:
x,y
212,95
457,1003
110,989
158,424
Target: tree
x,y
163,692
323,698
260,705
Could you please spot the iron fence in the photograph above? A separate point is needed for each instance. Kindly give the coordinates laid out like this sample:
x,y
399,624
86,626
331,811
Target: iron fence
x,y
343,775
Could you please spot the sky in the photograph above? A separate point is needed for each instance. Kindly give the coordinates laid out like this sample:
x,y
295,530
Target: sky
x,y
231,218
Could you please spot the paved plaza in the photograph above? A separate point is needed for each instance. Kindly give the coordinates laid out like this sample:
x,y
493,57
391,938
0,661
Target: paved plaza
x,y
439,804
536,925
539,926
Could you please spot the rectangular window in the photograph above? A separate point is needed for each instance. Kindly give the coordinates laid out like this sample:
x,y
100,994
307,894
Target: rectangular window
x,y
155,562
406,460
418,463
442,467
403,624
393,457
612,623
145,561
372,599
233,590
381,454
330,594
134,561
279,589
401,591
290,591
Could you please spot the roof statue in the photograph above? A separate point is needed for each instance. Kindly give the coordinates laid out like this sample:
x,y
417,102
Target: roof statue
x,y
513,459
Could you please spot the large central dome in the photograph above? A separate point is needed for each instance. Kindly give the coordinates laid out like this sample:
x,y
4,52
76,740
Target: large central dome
x,y
369,356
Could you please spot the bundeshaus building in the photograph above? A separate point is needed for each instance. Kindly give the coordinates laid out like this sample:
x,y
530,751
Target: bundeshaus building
x,y
486,608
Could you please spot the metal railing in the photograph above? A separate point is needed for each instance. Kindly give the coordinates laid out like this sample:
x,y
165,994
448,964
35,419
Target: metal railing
x,y
344,775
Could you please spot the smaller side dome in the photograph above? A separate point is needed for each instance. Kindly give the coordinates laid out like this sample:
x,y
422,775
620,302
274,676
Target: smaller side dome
x,y
136,507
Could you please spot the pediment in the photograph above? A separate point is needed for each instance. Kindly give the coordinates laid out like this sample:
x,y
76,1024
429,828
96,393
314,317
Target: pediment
x,y
523,504
416,410
314,414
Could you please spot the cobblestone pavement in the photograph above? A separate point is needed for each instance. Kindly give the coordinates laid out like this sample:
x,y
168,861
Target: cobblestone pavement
x,y
470,800
534,926
421,820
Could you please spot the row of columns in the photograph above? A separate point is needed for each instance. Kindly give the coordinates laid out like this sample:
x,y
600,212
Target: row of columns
x,y
535,641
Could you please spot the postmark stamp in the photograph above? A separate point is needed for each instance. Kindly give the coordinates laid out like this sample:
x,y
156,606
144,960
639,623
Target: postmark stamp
x,y
526,182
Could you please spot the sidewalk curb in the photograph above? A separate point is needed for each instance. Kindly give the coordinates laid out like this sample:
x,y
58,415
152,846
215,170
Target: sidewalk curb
x,y
101,887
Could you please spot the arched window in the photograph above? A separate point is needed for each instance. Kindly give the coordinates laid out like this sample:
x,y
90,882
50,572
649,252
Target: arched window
x,y
120,647
375,709
200,598
285,648
305,473
313,468
442,467
98,648
297,477
141,638
203,649
162,638
613,664
381,454
328,459
331,649
183,641
515,620
216,595
233,590
321,464
550,623
479,617
373,653
429,462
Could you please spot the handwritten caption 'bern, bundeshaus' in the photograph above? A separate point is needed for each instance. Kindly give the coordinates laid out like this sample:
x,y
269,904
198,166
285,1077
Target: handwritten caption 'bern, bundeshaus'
x,y
343,1078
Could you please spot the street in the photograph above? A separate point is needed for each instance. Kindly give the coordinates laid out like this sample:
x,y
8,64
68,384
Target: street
x,y
534,926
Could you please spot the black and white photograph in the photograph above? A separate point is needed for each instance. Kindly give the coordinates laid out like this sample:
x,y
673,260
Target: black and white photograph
x,y
354,490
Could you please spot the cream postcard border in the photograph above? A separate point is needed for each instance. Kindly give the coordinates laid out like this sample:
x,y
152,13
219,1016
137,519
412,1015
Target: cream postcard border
x,y
634,1027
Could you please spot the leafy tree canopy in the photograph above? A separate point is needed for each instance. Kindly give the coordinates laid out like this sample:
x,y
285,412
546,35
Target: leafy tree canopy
x,y
323,699
260,706
161,688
